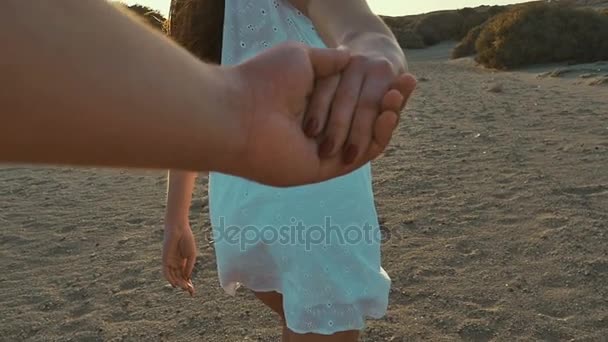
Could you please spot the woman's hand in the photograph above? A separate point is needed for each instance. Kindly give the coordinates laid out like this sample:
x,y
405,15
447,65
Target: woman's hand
x,y
179,256
344,108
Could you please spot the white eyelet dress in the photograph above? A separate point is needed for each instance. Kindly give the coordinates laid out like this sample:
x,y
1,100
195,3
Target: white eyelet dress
x,y
318,245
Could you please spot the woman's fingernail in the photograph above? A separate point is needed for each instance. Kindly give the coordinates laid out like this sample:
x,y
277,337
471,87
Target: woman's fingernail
x,y
311,127
326,147
350,154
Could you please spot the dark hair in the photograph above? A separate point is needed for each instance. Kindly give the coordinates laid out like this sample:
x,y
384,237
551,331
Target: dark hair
x,y
198,26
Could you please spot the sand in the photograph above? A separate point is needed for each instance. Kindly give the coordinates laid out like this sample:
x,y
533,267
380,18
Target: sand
x,y
494,192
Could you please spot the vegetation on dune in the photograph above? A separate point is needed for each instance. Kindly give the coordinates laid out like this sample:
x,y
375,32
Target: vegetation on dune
x,y
440,26
451,25
409,39
542,33
466,47
420,31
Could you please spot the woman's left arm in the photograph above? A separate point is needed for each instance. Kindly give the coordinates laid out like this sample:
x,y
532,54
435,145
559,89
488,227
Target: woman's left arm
x,y
343,108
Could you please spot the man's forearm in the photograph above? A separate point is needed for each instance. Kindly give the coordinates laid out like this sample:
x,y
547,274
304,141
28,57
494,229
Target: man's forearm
x,y
153,109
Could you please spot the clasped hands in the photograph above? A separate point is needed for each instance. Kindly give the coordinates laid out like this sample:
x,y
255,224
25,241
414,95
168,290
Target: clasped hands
x,y
312,114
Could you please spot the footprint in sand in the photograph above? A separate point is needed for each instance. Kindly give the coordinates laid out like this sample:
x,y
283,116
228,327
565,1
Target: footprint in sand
x,y
476,330
551,220
587,190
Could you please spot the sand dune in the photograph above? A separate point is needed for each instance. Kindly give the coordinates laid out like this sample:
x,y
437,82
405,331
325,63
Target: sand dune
x,y
495,193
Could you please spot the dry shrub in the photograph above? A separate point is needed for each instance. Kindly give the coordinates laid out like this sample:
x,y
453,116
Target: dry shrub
x,y
409,39
438,27
543,33
466,47
452,25
402,28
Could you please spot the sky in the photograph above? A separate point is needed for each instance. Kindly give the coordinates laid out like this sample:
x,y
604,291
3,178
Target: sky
x,y
383,7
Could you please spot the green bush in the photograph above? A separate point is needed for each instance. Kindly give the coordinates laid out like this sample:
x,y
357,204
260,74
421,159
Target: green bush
x,y
466,47
542,33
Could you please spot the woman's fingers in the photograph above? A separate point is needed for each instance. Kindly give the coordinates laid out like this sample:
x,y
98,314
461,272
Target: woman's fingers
x,y
320,105
384,128
386,123
392,101
168,277
174,275
342,110
185,273
189,267
392,104
171,275
377,81
405,84
180,276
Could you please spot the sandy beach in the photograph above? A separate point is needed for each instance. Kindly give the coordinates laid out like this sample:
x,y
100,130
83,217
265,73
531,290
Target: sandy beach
x,y
494,194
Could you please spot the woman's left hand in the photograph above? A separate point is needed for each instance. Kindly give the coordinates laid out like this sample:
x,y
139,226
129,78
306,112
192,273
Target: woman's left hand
x,y
179,256
343,108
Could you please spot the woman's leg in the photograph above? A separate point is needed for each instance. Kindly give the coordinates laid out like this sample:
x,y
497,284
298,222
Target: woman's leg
x,y
274,301
346,336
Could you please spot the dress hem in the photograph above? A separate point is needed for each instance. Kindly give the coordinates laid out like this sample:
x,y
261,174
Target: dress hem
x,y
232,288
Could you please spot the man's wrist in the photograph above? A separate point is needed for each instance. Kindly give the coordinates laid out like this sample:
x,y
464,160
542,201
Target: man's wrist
x,y
232,118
